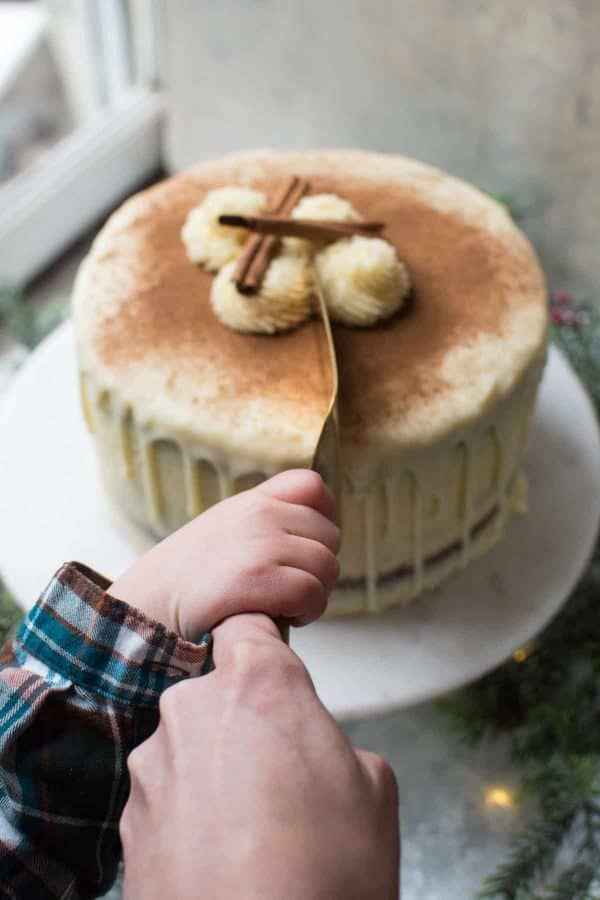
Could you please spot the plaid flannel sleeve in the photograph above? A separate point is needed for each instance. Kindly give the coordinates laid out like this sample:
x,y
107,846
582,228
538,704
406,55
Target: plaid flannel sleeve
x,y
79,689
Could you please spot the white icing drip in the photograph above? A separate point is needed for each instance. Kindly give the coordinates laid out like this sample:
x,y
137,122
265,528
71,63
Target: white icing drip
x,y
86,407
497,457
416,535
192,484
390,517
226,483
467,503
384,503
501,478
529,393
150,482
124,425
370,552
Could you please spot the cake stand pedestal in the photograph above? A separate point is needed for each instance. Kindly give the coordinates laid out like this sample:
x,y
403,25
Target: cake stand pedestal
x,y
52,509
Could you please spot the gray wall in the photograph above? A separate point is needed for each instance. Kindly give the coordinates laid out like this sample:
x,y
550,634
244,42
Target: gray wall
x,y
504,93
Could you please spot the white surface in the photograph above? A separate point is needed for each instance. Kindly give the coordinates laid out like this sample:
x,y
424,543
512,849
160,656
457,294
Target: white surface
x,y
52,509
22,27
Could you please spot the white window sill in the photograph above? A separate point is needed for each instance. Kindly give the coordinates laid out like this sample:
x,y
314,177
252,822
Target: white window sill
x,y
47,207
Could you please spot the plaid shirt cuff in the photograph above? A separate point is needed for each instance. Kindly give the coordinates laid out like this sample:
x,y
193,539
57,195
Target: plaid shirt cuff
x,y
103,645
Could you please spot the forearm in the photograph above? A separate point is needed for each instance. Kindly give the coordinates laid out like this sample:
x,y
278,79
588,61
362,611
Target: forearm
x,y
79,689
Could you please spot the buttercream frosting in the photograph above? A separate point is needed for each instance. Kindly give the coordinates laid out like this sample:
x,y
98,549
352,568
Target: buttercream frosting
x,y
319,207
477,322
211,244
434,403
362,280
284,301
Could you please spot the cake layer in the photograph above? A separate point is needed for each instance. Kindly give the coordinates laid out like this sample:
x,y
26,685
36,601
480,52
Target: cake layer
x,y
475,320
434,510
434,405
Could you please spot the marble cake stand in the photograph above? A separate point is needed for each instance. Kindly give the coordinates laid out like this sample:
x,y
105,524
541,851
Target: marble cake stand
x,y
52,509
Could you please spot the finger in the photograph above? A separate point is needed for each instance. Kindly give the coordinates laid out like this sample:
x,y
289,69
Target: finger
x,y
302,598
309,523
301,486
380,776
311,556
282,591
247,628
250,639
382,782
249,625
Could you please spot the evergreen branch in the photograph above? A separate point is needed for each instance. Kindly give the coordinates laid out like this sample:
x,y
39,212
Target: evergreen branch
x,y
28,322
10,614
532,856
577,882
548,703
514,206
562,782
576,331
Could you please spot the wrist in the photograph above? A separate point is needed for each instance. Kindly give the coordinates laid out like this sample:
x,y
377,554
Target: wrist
x,y
145,586
101,642
147,595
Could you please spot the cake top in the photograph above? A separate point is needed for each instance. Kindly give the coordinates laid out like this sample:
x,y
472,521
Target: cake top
x,y
475,319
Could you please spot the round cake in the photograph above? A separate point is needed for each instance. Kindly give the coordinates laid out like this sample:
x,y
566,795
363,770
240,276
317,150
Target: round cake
x,y
435,400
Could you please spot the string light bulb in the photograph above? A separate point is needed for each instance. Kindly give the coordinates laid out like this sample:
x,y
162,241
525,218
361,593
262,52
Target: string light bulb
x,y
523,653
499,796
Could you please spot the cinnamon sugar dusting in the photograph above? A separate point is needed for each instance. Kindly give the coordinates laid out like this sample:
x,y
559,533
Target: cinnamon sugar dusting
x,y
144,305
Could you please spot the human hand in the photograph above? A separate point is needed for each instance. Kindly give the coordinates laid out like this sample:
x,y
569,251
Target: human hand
x,y
248,788
271,549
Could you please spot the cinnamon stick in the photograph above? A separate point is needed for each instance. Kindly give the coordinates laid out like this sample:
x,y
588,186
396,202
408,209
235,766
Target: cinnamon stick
x,y
313,229
255,241
253,263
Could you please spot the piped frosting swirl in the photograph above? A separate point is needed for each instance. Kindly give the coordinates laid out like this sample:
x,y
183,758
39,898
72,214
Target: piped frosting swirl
x,y
362,279
211,244
319,207
285,299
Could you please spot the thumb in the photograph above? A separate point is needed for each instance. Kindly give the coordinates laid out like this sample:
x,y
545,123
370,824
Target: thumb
x,y
253,628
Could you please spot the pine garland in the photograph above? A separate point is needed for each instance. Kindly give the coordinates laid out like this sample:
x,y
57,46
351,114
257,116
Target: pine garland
x,y
10,614
546,699
27,322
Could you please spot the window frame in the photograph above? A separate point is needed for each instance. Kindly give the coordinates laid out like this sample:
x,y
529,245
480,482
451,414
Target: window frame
x,y
44,209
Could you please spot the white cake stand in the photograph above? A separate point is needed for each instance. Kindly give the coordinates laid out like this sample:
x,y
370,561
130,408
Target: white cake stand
x,y
52,509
